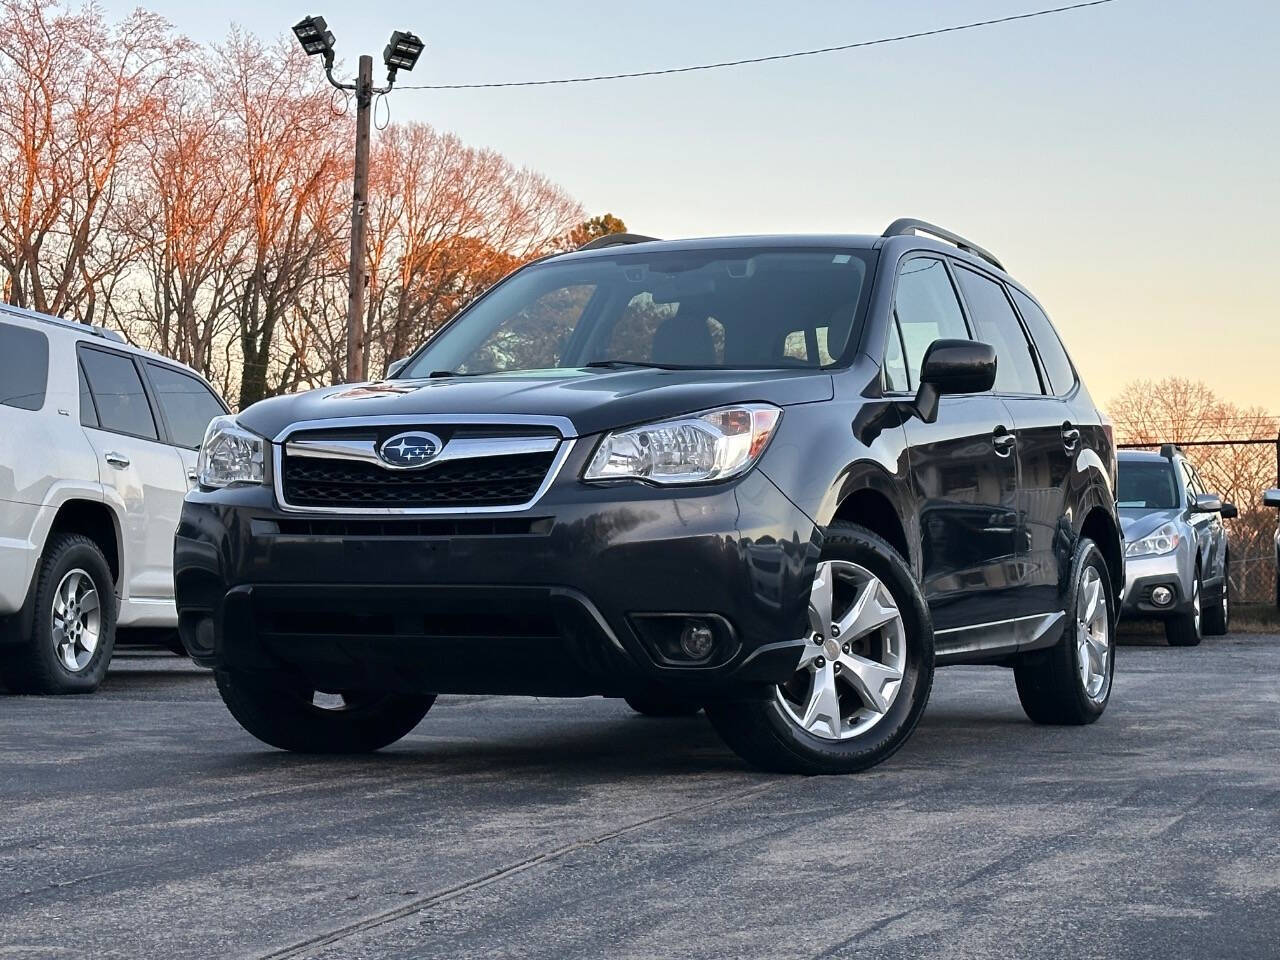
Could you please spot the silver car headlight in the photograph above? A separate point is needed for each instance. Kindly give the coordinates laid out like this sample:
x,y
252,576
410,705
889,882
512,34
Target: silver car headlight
x,y
1165,540
699,448
230,454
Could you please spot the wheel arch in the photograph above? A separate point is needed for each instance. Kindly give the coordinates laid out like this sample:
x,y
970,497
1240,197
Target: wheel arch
x,y
1100,527
868,496
97,521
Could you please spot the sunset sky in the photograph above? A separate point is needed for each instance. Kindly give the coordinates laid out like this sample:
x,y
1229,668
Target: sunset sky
x,y
1123,161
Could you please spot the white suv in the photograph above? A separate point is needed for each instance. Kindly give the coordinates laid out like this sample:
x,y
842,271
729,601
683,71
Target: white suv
x,y
98,446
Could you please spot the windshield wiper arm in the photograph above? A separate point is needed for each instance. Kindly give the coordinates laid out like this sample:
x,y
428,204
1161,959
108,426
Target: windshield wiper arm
x,y
618,364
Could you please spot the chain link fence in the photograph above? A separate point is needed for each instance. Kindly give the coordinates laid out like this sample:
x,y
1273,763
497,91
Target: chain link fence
x,y
1239,471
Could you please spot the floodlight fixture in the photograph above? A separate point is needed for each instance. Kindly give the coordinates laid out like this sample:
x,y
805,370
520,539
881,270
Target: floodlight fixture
x,y
316,38
401,53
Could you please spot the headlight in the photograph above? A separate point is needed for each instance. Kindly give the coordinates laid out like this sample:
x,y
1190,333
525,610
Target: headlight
x,y
1165,540
708,446
230,454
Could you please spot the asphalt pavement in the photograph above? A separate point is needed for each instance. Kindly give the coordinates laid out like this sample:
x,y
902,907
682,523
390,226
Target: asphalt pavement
x,y
142,822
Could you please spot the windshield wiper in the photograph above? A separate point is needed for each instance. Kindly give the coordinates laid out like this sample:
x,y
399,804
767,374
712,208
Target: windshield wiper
x,y
619,364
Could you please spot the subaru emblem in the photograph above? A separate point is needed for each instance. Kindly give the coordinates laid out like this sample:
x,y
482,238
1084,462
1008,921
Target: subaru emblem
x,y
405,451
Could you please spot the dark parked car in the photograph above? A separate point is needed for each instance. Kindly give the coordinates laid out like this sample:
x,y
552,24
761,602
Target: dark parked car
x,y
776,477
1177,554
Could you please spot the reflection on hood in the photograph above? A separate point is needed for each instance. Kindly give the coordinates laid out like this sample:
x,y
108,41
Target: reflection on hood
x,y
1137,522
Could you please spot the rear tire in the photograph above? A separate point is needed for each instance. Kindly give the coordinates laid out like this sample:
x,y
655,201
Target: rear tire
x,y
1184,629
879,678
660,706
1070,682
73,623
289,716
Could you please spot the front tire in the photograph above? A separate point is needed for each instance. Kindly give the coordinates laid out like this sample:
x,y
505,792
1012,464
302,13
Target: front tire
x,y
293,717
1217,617
864,675
1070,682
74,622
1185,629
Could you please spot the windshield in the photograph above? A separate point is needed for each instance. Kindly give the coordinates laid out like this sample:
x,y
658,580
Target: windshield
x,y
1146,485
756,308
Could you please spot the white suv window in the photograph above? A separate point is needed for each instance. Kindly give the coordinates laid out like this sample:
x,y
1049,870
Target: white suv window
x,y
186,403
118,394
24,367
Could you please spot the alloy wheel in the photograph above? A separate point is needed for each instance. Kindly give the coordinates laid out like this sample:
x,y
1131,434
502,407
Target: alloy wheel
x,y
854,657
1093,635
77,620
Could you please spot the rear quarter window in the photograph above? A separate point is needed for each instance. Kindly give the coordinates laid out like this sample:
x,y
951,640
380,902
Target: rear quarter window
x,y
1053,356
24,367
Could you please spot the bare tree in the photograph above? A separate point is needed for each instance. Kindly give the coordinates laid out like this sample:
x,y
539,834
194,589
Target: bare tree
x,y
76,98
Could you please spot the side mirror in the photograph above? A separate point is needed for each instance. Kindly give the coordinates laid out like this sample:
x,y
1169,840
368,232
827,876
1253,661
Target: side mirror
x,y
1207,503
395,366
950,367
1271,498
1229,511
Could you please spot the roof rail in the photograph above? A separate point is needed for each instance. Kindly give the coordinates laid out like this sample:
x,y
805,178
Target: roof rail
x,y
89,328
908,225
1170,450
615,240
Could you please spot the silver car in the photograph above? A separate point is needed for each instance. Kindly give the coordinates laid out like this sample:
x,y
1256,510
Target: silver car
x,y
1176,550
1271,498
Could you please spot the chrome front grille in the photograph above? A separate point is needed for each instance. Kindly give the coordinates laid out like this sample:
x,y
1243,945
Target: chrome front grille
x,y
478,468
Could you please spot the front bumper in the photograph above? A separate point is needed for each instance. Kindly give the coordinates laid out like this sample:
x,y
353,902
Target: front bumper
x,y
1143,574
560,599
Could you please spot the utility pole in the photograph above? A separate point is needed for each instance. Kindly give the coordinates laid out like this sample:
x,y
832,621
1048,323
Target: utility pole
x,y
359,208
401,53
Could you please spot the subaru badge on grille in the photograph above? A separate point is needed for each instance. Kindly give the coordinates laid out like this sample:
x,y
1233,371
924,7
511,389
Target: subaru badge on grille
x,y
406,451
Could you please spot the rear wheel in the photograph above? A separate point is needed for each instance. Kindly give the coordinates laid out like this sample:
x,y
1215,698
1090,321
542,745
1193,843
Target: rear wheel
x,y
864,674
1184,629
74,622
1070,682
294,717
655,705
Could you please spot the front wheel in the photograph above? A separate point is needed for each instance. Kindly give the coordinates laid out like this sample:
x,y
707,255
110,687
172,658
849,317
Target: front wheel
x,y
294,717
864,674
1070,682
1186,629
1217,616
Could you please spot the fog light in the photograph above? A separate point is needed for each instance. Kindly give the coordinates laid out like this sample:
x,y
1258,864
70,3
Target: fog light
x,y
697,640
1161,596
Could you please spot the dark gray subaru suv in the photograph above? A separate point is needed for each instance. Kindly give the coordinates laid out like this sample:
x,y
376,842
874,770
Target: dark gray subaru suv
x,y
778,478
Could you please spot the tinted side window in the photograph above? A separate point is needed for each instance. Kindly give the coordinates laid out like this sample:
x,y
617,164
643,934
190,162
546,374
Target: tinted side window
x,y
927,310
895,363
1057,365
24,367
187,404
88,415
118,394
998,325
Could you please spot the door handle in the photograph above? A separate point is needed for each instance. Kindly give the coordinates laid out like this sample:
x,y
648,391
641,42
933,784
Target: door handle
x,y
116,459
1070,436
1003,441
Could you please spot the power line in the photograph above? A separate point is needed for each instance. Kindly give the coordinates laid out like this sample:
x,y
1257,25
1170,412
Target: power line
x,y
769,59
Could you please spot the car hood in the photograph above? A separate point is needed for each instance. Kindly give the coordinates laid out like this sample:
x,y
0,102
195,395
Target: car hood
x,y
590,400
1137,523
